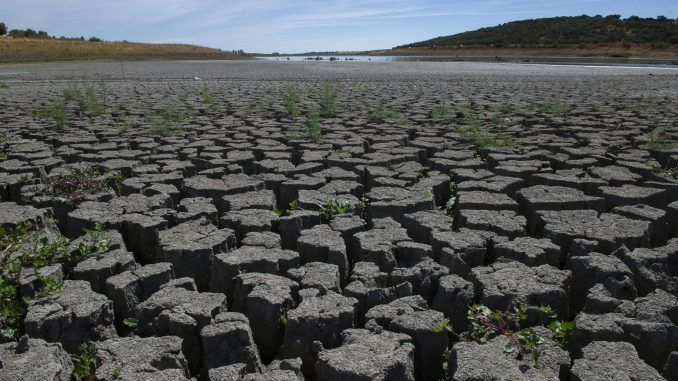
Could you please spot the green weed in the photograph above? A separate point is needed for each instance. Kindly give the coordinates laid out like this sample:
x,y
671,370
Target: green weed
x,y
314,130
56,111
332,208
439,113
84,362
285,212
165,122
659,140
290,100
209,98
328,101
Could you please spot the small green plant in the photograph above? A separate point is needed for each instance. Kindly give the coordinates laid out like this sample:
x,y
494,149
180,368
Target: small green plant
x,y
439,113
290,100
131,323
209,98
314,130
4,86
3,154
165,122
332,208
381,114
328,101
480,137
294,205
78,183
90,102
85,362
523,340
555,107
127,124
28,247
659,140
56,111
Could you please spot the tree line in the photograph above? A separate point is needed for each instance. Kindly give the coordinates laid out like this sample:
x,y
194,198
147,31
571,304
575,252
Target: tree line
x,y
30,33
565,31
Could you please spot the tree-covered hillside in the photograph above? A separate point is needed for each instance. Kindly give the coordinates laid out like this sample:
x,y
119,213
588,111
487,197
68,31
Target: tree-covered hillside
x,y
564,31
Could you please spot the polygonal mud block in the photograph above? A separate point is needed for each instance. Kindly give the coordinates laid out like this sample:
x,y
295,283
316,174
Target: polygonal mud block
x,y
367,355
12,214
73,316
542,197
421,225
379,246
249,259
658,219
410,253
263,199
201,186
318,275
191,248
529,251
411,316
291,226
474,200
132,287
460,251
453,297
603,360
609,230
502,286
599,268
423,277
34,359
97,268
269,240
628,194
228,341
319,317
265,300
136,358
616,175
653,268
322,244
289,190
248,220
175,311
502,222
190,209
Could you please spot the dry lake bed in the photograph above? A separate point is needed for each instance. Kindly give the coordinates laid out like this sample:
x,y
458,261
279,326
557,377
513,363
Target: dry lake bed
x,y
253,220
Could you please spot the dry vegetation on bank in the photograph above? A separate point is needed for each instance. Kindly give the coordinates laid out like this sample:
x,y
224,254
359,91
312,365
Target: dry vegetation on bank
x,y
32,50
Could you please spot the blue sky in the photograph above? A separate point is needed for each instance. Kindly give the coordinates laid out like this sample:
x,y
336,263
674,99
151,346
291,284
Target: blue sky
x,y
297,25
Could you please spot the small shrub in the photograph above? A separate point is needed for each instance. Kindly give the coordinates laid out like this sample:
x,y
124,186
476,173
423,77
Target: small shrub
x,y
166,121
128,124
314,130
659,140
31,246
439,113
290,100
328,101
285,212
486,324
75,185
55,110
380,114
209,98
84,363
556,107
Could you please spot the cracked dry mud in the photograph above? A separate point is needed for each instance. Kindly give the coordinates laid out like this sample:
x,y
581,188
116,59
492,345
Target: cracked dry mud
x,y
562,195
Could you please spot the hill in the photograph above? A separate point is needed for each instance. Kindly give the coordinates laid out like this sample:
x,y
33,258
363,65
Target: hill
x,y
559,32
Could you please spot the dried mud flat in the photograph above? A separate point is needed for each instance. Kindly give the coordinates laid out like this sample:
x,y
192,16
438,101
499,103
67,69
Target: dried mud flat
x,y
179,223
